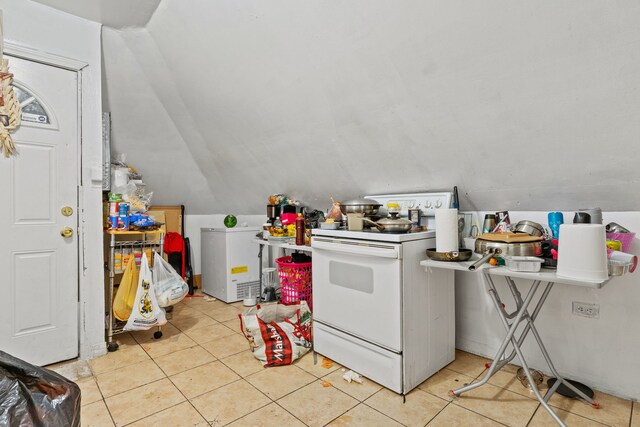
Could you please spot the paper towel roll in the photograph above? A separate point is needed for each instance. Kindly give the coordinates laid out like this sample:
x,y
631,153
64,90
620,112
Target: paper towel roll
x,y
446,230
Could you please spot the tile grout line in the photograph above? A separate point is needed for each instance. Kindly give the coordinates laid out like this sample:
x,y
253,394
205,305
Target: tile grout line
x,y
534,414
135,388
371,407
180,391
503,388
440,411
104,402
263,406
285,409
537,408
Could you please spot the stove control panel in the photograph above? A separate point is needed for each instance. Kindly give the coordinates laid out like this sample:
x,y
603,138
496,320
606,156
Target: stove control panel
x,y
427,202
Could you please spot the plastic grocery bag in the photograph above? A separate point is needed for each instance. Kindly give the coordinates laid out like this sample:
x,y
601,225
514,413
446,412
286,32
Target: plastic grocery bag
x,y
278,334
33,396
146,312
126,294
335,213
170,287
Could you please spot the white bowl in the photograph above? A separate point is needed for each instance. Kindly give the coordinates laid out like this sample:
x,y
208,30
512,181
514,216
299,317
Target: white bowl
x,y
582,252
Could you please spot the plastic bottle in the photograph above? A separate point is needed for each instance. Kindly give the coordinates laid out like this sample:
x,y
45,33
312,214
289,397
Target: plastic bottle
x,y
300,230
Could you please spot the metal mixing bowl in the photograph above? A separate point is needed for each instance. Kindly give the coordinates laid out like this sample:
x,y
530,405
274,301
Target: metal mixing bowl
x,y
366,206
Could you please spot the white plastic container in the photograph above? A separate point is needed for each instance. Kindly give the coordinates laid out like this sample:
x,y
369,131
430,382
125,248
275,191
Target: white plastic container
x,y
582,252
523,263
329,225
618,268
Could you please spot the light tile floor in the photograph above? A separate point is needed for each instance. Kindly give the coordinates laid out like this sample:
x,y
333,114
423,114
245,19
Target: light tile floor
x,y
201,373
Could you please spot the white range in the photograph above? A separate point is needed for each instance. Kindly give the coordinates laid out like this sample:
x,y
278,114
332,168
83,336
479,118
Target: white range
x,y
377,311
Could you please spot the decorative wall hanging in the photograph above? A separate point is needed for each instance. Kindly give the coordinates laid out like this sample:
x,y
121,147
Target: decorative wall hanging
x,y
10,111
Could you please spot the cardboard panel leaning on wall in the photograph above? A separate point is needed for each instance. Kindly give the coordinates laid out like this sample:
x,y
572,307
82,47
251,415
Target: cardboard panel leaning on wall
x,y
172,217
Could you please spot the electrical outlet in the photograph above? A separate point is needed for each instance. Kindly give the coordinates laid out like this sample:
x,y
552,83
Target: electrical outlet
x,y
586,310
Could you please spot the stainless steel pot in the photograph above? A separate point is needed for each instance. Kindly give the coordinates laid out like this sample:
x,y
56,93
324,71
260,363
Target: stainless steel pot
x,y
394,224
489,249
529,227
366,206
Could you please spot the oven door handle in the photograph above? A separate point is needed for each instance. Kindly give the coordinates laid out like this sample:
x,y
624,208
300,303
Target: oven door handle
x,y
357,249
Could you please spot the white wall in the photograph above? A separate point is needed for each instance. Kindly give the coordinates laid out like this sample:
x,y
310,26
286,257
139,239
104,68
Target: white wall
x,y
524,105
167,165
44,29
602,353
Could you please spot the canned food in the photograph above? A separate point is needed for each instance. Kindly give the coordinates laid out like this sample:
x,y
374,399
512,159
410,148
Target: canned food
x,y
123,209
114,208
113,222
123,222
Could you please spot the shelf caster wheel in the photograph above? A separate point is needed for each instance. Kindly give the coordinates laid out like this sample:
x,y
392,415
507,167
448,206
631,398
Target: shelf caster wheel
x,y
595,405
157,335
112,346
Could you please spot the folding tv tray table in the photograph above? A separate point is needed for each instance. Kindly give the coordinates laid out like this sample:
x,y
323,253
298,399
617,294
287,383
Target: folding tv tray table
x,y
511,321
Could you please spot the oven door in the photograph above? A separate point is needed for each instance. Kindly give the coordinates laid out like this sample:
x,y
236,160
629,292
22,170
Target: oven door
x,y
357,288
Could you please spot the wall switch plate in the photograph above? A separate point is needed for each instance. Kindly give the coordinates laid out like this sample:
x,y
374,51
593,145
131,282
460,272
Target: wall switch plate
x,y
586,309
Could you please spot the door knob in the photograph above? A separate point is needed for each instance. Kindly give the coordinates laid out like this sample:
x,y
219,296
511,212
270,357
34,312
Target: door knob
x,y
66,232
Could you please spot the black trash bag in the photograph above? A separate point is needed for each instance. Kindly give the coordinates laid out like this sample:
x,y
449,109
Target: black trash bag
x,y
33,396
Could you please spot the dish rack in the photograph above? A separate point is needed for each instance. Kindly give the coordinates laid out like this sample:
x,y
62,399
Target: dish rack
x,y
145,241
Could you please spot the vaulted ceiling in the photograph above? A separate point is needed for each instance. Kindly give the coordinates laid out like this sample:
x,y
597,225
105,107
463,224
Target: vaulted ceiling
x,y
523,105
112,13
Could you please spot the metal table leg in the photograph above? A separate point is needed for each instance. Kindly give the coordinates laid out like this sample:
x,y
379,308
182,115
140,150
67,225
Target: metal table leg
x,y
521,314
260,249
111,346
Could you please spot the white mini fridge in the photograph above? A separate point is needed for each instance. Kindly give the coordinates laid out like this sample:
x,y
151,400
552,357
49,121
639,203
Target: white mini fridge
x,y
229,262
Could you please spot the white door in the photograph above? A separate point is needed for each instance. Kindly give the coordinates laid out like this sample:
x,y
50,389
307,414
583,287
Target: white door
x,y
39,288
357,288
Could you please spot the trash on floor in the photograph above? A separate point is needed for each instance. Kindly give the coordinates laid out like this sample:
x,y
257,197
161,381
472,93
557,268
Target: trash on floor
x,y
326,383
327,363
34,396
278,334
209,299
352,376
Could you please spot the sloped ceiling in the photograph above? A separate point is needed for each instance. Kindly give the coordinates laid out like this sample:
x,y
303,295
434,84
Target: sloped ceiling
x,y
523,105
113,13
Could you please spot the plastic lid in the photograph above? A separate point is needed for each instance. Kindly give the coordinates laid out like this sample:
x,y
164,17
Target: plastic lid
x,y
393,205
299,214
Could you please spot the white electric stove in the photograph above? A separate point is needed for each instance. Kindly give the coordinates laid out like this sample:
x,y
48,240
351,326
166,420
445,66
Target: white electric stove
x,y
376,310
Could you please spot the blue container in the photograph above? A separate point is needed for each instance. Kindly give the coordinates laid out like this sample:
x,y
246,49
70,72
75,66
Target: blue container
x,y
555,219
